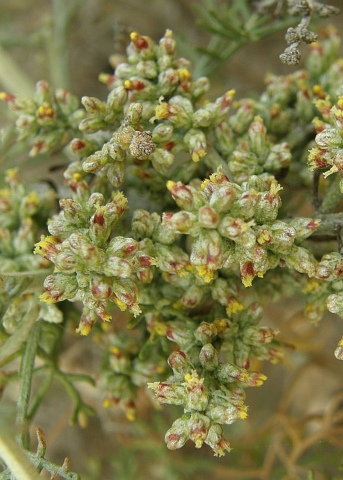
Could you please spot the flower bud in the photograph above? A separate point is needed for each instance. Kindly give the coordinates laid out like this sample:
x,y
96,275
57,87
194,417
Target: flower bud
x,y
181,222
196,142
197,397
65,262
335,304
117,267
172,259
88,255
143,224
229,373
126,294
226,414
186,196
161,160
125,70
208,217
193,296
234,228
204,117
168,393
142,45
209,358
301,260
216,440
179,333
207,253
100,287
178,434
206,332
162,133
93,105
269,204
147,69
222,198
116,99
244,205
198,427
59,287
225,139
200,86
241,120
255,335
257,134
279,157
72,210
179,363
168,80
177,111
167,44
279,237
330,267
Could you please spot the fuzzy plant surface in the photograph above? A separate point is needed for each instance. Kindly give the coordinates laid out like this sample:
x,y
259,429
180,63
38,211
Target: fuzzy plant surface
x,y
177,213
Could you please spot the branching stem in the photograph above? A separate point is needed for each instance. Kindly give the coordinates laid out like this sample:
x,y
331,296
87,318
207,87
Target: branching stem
x,y
25,380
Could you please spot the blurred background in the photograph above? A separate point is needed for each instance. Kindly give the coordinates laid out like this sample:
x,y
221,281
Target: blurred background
x,y
97,29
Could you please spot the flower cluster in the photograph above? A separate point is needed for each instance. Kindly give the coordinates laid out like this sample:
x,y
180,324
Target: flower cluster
x,y
125,369
152,115
23,215
212,392
265,134
49,120
90,266
235,226
296,35
128,140
181,271
329,139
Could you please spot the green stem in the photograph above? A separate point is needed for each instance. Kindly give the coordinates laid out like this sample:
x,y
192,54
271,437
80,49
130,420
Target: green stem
x,y
57,47
12,78
21,334
19,465
333,196
330,224
40,395
25,380
206,65
27,273
9,134
268,30
57,44
52,468
74,395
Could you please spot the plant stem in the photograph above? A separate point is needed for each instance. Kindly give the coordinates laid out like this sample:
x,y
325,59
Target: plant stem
x,y
57,47
207,64
15,341
52,468
40,394
25,380
19,465
57,44
12,77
